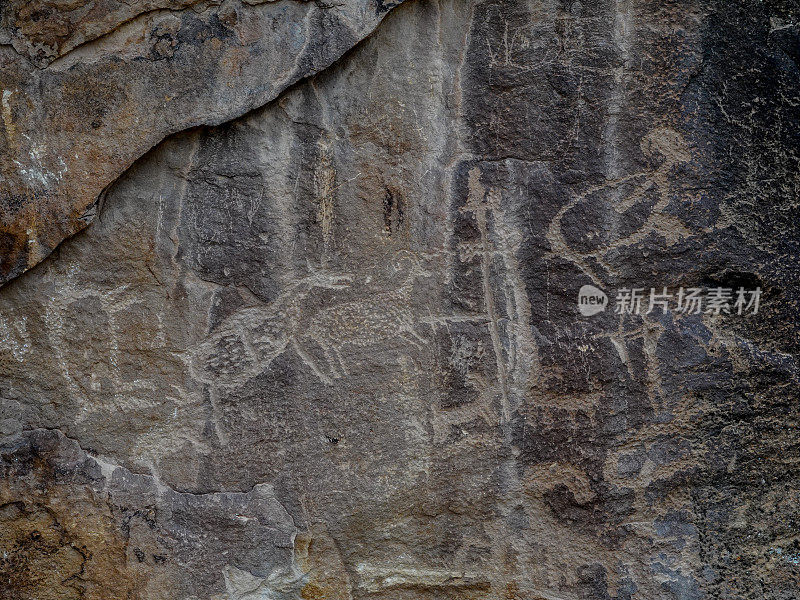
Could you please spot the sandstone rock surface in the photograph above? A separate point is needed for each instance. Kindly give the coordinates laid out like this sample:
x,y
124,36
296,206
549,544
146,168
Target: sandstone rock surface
x,y
331,348
87,88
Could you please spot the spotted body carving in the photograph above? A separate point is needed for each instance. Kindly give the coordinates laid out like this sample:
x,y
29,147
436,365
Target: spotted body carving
x,y
367,321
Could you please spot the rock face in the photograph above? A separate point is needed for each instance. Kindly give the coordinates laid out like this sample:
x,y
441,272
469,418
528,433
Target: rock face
x,y
87,88
331,349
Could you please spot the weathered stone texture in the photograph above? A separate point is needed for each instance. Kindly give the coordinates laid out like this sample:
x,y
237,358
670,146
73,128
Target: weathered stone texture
x,y
87,89
331,349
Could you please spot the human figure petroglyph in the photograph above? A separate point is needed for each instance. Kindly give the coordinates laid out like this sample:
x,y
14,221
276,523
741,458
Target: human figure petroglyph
x,y
669,148
663,143
506,303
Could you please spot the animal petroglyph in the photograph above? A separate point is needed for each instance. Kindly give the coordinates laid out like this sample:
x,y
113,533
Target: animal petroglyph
x,y
367,321
249,340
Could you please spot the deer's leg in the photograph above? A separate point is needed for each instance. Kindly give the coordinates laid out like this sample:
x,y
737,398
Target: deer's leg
x,y
337,350
216,416
414,333
413,338
410,340
306,358
330,358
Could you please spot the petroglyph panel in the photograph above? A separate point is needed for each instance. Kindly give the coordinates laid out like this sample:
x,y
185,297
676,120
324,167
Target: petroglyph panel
x,y
333,350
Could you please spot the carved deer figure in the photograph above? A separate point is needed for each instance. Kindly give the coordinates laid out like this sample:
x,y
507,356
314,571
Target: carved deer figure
x,y
249,339
366,321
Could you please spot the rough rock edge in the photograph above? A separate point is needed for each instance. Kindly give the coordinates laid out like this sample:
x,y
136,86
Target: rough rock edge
x,y
67,230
